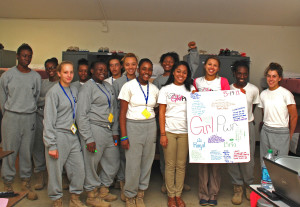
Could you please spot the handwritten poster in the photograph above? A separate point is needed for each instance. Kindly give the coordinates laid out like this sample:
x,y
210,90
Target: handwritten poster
x,y
218,127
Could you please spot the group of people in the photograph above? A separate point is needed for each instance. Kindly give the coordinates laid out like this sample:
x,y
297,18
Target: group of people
x,y
103,128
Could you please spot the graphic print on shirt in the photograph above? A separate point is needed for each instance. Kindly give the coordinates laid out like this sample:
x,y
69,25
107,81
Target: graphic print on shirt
x,y
176,97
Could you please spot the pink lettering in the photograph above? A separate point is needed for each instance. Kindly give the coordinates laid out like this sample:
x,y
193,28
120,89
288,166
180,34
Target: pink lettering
x,y
197,127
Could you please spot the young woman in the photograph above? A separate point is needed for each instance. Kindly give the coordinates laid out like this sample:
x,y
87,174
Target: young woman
x,y
83,67
138,132
38,153
242,173
97,116
279,114
130,63
60,137
173,130
167,61
115,69
209,174
19,91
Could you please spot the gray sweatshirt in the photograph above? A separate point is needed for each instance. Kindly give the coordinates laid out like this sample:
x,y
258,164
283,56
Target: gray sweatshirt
x,y
93,108
118,84
58,113
19,91
46,85
193,60
160,81
77,84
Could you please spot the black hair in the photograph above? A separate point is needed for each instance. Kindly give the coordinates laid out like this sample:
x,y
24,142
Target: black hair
x,y
274,66
83,61
94,64
24,46
239,63
188,81
145,60
51,60
114,57
174,55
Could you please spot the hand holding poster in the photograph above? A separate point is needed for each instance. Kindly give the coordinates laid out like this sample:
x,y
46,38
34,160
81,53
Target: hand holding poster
x,y
218,127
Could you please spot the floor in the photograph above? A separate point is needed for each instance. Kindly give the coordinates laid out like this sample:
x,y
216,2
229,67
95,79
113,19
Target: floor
x,y
153,196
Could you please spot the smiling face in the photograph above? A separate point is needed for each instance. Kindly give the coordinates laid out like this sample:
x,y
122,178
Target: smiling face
x,y
51,69
99,72
168,63
83,73
130,65
145,72
24,58
241,76
273,79
115,67
180,74
66,74
212,68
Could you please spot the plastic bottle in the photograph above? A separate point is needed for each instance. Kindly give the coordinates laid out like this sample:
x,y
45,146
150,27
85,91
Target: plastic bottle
x,y
265,177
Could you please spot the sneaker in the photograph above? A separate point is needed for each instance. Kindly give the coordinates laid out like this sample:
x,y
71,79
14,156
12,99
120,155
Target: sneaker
x,y
203,202
213,202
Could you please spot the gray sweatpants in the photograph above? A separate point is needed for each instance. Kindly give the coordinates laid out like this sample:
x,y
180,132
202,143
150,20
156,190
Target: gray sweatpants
x,y
121,171
38,153
140,155
277,139
17,135
107,155
70,157
243,172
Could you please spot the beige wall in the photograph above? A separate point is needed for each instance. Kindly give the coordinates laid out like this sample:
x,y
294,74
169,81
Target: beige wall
x,y
150,39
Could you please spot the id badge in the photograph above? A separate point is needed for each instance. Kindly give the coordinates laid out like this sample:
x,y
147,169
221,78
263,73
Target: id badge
x,y
146,113
110,117
73,128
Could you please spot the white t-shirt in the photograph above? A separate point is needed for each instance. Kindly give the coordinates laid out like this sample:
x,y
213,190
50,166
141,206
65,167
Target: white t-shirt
x,y
132,93
110,80
275,105
175,98
252,96
204,85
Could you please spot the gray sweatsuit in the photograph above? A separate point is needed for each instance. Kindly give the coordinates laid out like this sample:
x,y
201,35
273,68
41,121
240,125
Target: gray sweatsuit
x,y
77,84
159,82
142,135
92,119
58,119
193,60
38,153
19,93
117,85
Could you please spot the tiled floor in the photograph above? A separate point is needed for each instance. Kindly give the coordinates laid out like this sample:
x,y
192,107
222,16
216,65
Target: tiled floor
x,y
153,196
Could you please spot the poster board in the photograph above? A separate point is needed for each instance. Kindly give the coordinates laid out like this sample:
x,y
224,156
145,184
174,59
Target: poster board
x,y
218,127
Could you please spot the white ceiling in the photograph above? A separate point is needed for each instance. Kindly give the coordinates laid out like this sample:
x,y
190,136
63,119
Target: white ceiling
x,y
256,12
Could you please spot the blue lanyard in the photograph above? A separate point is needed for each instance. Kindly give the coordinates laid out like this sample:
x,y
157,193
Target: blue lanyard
x,y
127,78
108,98
73,108
146,97
112,80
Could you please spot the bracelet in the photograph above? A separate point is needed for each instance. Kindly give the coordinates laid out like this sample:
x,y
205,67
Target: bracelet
x,y
162,134
124,139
